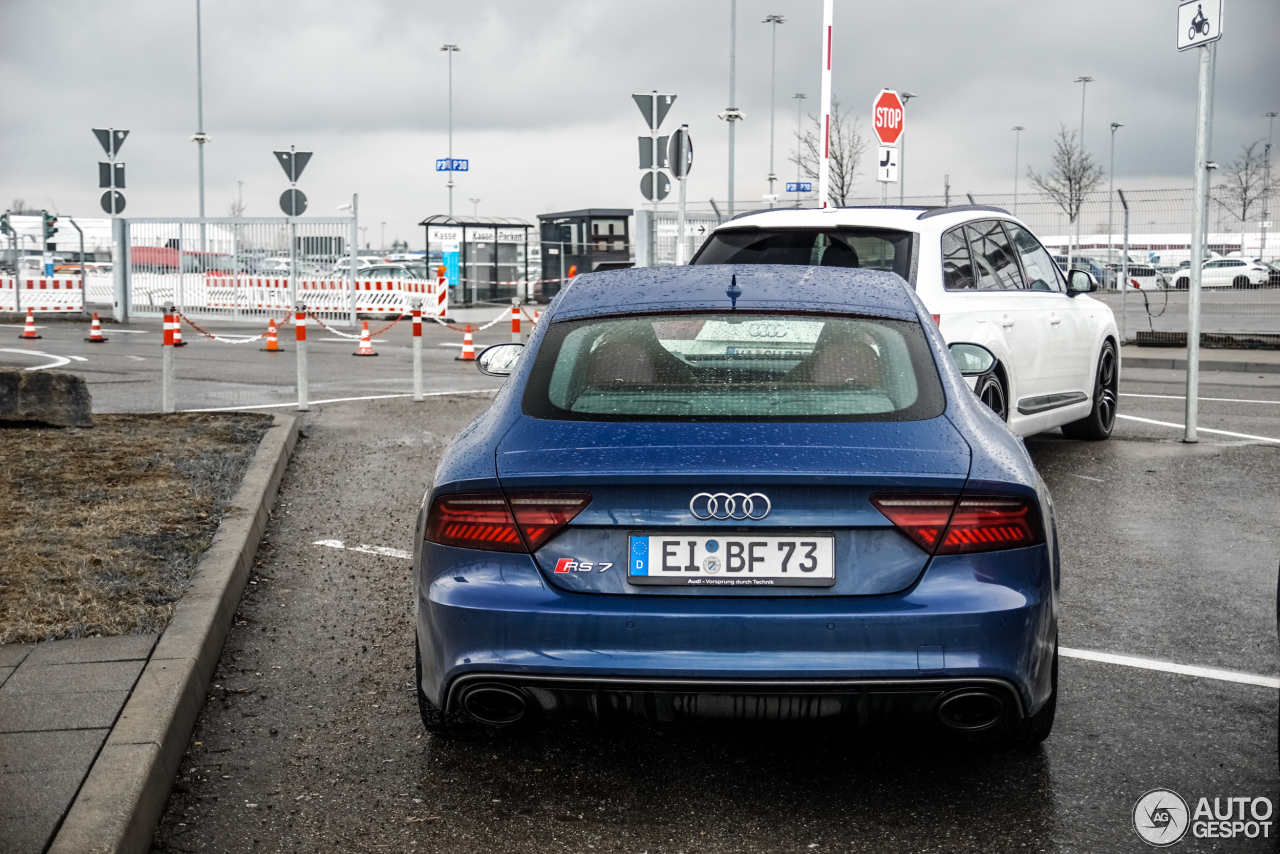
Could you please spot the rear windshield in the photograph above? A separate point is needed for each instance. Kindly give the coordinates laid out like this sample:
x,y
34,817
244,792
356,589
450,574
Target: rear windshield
x,y
741,366
866,248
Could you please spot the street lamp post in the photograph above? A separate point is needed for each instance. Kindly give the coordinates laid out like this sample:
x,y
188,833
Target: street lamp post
x,y
1111,193
1266,188
773,77
731,114
475,208
1084,87
1017,137
799,96
902,156
450,49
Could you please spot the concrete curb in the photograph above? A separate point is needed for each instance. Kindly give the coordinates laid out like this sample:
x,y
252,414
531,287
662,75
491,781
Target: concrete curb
x,y
122,799
1205,365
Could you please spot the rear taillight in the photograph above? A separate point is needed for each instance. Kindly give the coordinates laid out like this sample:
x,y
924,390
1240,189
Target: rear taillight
x,y
937,319
923,518
486,521
541,517
947,525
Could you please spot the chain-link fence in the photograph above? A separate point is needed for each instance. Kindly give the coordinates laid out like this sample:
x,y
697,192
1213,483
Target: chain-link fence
x,y
233,268
1240,302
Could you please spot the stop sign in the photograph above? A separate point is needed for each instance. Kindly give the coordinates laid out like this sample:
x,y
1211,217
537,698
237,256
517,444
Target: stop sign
x,y
888,115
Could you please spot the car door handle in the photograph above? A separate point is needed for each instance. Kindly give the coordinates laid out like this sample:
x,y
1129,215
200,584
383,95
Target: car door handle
x,y
1054,321
1006,322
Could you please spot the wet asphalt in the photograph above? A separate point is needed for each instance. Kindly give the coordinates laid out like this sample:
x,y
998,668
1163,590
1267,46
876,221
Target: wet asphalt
x,y
311,741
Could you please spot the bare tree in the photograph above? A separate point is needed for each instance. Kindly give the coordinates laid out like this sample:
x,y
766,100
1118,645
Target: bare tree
x,y
1243,186
847,148
236,208
1073,176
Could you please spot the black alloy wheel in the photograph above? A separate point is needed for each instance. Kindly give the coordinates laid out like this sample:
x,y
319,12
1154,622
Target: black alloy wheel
x,y
991,391
1101,420
1240,282
1183,283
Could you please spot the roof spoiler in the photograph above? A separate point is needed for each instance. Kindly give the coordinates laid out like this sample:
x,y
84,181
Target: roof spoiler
x,y
958,208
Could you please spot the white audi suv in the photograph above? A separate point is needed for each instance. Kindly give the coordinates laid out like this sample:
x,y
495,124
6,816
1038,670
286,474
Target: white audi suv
x,y
986,280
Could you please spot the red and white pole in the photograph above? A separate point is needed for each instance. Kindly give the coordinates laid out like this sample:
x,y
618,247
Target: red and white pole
x,y
166,389
824,161
515,320
300,337
417,350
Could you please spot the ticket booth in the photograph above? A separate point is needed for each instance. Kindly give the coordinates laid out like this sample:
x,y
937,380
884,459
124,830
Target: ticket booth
x,y
591,240
485,260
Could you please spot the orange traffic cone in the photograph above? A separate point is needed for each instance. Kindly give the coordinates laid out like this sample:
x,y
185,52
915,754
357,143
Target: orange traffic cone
x,y
366,345
95,331
468,348
177,331
536,316
29,331
273,346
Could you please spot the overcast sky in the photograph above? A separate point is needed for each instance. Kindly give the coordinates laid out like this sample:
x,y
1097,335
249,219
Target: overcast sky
x,y
542,103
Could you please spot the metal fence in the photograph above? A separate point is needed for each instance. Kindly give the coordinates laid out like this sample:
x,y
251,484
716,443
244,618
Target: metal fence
x,y
1240,305
236,268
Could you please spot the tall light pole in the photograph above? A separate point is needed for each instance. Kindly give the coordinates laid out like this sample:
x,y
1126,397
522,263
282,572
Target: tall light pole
x,y
475,208
1266,188
799,96
200,137
773,77
1111,183
1084,87
450,49
902,156
383,239
731,114
1017,138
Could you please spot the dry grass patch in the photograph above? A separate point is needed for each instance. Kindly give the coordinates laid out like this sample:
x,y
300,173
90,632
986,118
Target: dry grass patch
x,y
101,528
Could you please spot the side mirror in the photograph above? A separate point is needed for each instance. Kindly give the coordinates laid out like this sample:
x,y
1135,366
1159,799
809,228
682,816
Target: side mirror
x,y
1081,282
499,360
972,359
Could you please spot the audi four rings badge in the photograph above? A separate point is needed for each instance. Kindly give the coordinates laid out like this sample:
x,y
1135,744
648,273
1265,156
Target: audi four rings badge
x,y
722,505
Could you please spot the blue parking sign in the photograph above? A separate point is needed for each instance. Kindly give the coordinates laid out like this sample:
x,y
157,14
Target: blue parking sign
x,y
799,187
457,164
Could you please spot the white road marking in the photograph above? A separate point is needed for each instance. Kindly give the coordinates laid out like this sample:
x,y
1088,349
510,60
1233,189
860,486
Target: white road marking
x,y
1214,399
79,358
1172,667
1200,429
340,399
372,550
58,361
1086,477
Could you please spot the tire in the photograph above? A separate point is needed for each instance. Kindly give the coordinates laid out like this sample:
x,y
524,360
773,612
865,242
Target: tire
x,y
992,392
1183,283
1030,732
1101,420
1240,282
434,720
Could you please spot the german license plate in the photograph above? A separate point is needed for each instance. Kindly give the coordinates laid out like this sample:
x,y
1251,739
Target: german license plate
x,y
733,560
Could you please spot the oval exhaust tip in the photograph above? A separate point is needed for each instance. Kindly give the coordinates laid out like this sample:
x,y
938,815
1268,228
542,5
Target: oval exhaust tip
x,y
970,710
495,705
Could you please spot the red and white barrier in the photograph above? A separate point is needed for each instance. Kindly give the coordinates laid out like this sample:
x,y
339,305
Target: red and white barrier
x,y
268,294
41,295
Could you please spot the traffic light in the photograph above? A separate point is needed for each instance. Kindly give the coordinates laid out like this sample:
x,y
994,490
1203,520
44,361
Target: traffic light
x,y
5,228
50,225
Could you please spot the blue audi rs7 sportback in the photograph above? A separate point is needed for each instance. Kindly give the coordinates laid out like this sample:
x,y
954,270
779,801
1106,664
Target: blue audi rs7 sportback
x,y
738,492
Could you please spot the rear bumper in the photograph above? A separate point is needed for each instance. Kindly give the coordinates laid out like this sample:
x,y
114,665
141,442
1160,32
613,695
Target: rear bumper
x,y
850,700
979,619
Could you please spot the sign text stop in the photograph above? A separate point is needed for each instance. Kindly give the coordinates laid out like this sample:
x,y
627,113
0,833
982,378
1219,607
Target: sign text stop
x,y
887,113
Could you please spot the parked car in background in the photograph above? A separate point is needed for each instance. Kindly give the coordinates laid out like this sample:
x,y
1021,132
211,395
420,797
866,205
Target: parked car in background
x,y
985,278
1094,268
1141,276
1228,273
392,271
